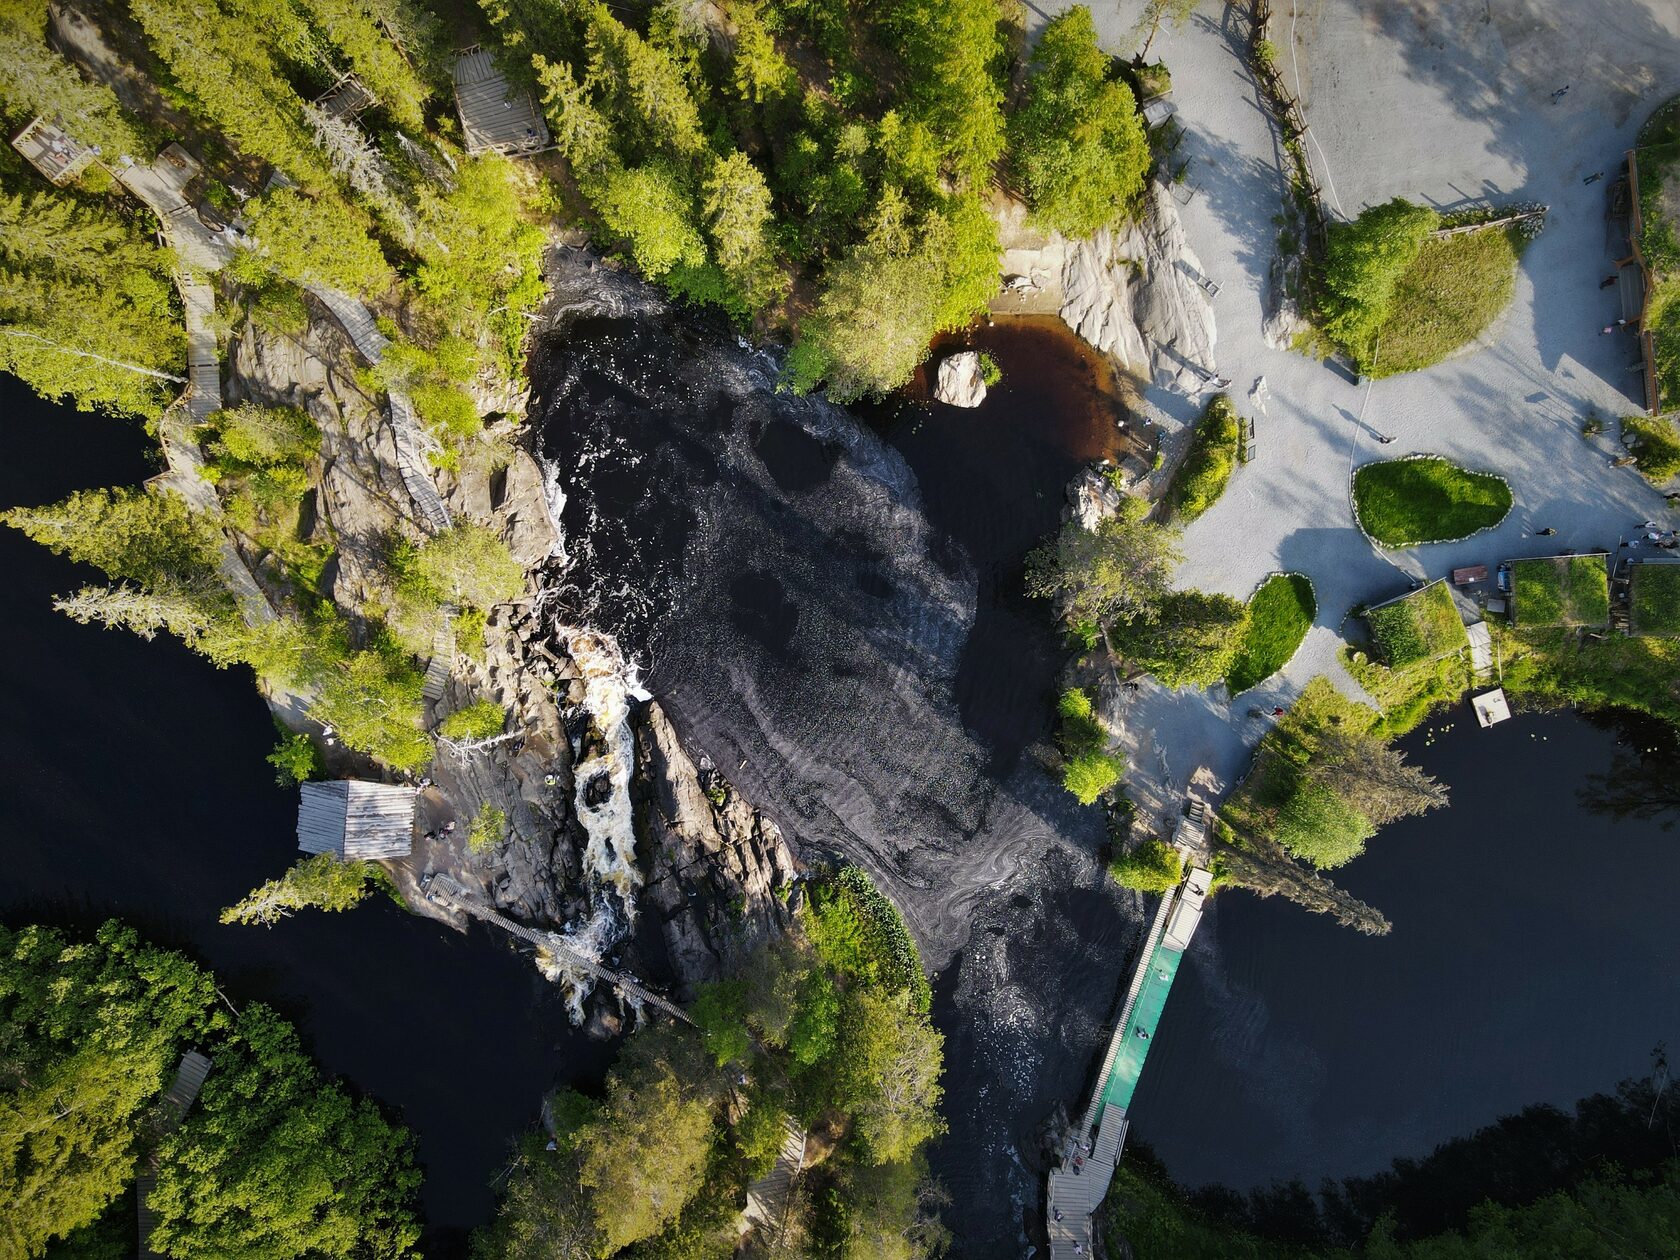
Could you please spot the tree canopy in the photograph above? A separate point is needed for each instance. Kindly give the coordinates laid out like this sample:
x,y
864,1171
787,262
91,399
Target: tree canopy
x,y
1077,142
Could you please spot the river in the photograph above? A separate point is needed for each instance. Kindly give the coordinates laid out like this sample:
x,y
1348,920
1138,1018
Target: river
x,y
136,787
1533,959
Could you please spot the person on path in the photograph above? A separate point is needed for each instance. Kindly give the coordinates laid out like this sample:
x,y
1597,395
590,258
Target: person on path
x,y
1547,532
1560,94
1384,440
1608,281
1593,178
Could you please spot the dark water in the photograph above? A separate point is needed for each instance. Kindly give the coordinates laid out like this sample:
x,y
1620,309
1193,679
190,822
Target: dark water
x,y
135,786
1533,959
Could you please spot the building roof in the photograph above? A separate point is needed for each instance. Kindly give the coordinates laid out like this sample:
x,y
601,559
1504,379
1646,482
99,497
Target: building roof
x,y
1491,707
495,115
356,820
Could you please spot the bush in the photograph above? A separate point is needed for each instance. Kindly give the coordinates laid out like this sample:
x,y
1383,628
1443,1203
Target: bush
x,y
1189,640
1319,826
1090,774
990,372
860,933
488,829
1209,462
1406,502
483,719
1654,442
1152,867
296,759
1279,615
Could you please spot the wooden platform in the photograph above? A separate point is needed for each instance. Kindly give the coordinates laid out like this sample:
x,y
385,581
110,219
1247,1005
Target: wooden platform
x,y
495,116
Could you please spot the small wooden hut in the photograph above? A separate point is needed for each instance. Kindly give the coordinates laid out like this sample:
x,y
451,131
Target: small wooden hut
x,y
53,151
494,114
355,820
345,99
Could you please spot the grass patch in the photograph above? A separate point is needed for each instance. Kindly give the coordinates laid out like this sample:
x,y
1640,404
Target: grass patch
x,y
1408,696
1654,443
1405,502
1659,242
1454,289
1639,672
1279,615
1562,591
1209,462
1656,598
1422,626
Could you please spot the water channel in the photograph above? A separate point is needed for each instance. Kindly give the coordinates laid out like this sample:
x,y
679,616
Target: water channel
x,y
1530,957
135,786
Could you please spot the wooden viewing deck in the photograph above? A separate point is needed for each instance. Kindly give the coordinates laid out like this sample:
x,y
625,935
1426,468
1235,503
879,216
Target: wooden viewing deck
x,y
494,115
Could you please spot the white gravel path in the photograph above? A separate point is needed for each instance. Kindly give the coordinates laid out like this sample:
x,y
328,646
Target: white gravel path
x,y
1445,102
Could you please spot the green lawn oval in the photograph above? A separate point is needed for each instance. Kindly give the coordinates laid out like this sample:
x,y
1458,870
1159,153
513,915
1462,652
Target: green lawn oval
x,y
1279,615
1406,502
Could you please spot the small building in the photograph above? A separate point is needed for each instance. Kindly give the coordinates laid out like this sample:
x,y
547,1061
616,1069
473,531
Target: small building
x,y
495,116
1187,913
53,151
356,820
345,100
1491,707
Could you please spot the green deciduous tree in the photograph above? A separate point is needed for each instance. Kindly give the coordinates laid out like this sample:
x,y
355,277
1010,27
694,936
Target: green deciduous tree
x,y
482,719
319,240
272,1163
914,276
953,50
545,1211
373,700
650,1110
1090,773
1077,142
468,565
1173,13
322,881
1189,640
650,208
1118,571
888,1075
1150,867
1318,825
720,1009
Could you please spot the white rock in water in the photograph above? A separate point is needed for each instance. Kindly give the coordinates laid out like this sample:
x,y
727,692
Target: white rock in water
x,y
960,382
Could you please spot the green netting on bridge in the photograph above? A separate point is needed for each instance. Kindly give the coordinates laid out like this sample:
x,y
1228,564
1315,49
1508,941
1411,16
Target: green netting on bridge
x,y
1146,1014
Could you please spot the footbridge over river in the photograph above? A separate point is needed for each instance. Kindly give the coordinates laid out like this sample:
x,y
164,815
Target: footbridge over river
x,y
1077,1185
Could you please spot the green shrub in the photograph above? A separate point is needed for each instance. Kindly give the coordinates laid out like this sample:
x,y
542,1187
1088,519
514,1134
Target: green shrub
x,y
296,759
1405,502
1209,462
1151,867
990,372
1090,774
482,719
1654,442
1189,640
1319,826
1279,615
488,829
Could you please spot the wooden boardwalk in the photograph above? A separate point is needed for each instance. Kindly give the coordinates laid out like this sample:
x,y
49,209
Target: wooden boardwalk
x,y
358,323
190,1074
768,1197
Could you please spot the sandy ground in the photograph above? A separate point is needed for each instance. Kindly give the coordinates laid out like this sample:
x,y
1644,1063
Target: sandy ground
x,y
1445,103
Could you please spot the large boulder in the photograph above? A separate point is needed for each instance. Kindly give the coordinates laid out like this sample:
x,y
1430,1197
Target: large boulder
x,y
961,383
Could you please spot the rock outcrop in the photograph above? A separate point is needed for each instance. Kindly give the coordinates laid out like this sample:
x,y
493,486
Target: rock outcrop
x,y
1137,294
720,871
1091,498
961,382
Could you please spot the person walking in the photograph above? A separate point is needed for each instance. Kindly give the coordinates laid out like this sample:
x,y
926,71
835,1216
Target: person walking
x,y
1547,532
1593,178
1608,281
1560,94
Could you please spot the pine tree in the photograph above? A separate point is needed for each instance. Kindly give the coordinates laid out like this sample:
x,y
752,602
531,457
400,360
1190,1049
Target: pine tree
x,y
146,537
322,881
355,32
641,88
736,202
318,240
580,130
